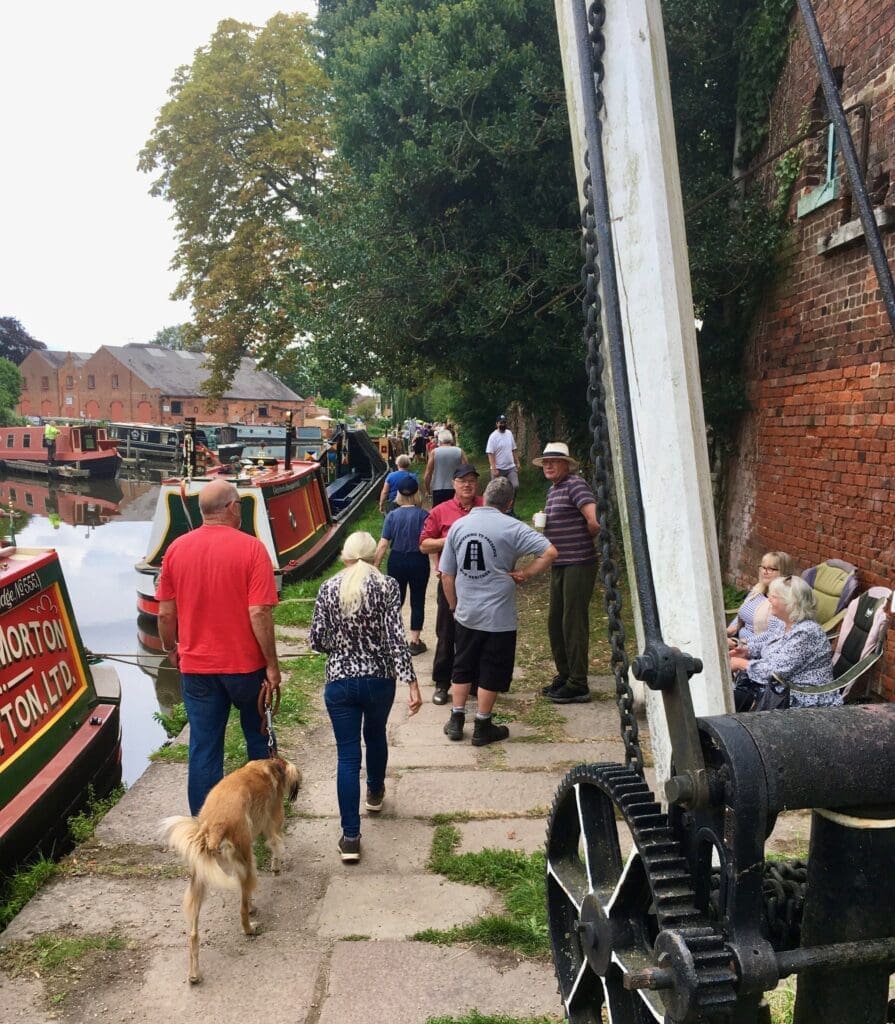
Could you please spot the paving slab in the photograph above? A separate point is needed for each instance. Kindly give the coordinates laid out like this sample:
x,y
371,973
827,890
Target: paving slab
x,y
441,754
547,755
159,792
390,845
256,982
421,794
415,981
370,905
595,721
523,834
22,1000
150,910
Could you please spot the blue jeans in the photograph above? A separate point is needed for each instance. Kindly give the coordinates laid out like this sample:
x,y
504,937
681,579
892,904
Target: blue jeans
x,y
208,699
359,702
411,569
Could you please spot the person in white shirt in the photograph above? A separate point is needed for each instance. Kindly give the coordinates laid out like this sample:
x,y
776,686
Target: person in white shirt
x,y
502,454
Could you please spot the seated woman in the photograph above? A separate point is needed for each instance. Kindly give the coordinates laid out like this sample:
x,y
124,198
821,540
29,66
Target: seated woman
x,y
752,617
794,651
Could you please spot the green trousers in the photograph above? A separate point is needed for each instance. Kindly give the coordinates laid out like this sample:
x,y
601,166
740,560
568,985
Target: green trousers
x,y
568,624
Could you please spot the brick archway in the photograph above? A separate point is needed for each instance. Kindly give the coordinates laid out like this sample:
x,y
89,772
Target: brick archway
x,y
92,410
116,411
144,412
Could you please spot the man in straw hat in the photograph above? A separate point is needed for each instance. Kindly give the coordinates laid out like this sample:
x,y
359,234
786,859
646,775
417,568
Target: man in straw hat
x,y
571,528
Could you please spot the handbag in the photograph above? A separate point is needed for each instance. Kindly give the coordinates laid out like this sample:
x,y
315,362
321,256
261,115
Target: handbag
x,y
773,696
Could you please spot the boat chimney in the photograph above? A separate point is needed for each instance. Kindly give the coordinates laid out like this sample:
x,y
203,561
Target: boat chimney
x,y
290,435
189,447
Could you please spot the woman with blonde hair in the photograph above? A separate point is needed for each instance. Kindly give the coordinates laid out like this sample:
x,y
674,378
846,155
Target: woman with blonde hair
x,y
753,614
357,623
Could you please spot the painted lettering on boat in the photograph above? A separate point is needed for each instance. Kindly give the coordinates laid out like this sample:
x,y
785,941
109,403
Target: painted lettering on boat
x,y
40,670
18,590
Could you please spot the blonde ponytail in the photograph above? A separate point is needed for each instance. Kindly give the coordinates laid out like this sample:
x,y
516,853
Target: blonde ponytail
x,y
358,552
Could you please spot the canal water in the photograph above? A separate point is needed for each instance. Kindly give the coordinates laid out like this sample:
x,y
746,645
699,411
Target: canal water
x,y
100,529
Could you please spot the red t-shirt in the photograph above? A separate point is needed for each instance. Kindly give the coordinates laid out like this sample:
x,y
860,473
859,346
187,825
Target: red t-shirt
x,y
443,517
215,574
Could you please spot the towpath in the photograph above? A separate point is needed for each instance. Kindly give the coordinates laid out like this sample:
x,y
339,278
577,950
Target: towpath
x,y
335,944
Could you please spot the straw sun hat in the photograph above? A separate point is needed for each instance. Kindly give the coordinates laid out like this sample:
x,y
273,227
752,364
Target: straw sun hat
x,y
556,450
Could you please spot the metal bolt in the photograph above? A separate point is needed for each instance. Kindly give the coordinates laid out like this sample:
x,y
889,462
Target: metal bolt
x,y
653,978
680,789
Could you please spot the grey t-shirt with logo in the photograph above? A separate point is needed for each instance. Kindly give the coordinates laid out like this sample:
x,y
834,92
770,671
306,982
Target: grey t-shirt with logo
x,y
480,551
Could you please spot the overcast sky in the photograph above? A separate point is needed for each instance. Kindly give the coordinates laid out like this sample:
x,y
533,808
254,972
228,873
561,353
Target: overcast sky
x,y
84,249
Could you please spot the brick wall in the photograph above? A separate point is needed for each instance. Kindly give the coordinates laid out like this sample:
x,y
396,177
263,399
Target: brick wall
x,y
815,461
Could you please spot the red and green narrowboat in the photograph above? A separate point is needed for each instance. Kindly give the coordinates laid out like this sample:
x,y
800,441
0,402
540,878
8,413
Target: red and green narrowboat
x,y
84,451
60,729
299,513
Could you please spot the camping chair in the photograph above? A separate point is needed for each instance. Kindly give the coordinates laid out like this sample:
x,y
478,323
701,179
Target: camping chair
x,y
834,583
861,643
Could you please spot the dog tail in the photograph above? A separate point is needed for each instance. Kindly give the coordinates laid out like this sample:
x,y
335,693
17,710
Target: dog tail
x,y
209,859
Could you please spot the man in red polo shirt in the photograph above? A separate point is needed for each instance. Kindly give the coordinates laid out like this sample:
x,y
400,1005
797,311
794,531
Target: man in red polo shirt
x,y
435,529
216,595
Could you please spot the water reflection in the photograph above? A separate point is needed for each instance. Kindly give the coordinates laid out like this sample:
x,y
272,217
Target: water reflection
x,y
100,529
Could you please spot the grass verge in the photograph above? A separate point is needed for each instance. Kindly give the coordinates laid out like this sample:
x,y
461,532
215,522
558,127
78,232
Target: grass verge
x,y
474,1017
82,826
19,888
518,877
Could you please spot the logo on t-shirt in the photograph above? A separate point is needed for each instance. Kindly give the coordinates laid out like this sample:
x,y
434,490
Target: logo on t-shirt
x,y
473,556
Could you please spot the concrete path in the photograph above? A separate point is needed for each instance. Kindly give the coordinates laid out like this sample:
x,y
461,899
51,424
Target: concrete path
x,y
336,941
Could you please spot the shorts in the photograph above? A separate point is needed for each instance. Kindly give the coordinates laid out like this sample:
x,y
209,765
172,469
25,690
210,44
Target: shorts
x,y
484,658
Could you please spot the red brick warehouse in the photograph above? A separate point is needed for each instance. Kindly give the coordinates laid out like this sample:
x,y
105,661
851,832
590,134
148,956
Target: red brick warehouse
x,y
149,384
814,465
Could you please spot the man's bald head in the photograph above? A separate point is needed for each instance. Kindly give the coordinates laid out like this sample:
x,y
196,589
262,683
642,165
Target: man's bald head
x,y
215,497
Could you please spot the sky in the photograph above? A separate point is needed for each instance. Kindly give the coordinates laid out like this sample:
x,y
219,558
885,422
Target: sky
x,y
84,249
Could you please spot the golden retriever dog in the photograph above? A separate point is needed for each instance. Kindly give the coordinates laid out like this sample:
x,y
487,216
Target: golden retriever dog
x,y
217,846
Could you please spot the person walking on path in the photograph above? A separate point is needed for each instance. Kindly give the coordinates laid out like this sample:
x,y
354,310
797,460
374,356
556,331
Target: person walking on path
x,y
217,582
502,454
389,492
443,460
571,528
357,623
435,529
479,576
406,563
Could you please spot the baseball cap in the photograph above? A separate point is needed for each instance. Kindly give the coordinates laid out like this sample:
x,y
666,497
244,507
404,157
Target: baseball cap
x,y
502,418
408,487
464,470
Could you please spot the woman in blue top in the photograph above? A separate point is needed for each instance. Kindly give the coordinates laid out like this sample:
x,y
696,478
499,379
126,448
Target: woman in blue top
x,y
402,528
388,494
755,611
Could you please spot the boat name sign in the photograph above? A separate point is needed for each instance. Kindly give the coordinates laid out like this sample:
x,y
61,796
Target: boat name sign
x,y
40,669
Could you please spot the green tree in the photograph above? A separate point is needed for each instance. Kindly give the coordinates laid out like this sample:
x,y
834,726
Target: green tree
x,y
450,239
10,392
180,337
15,341
238,150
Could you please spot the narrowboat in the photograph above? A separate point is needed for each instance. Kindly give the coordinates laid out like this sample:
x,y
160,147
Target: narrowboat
x,y
298,509
60,725
165,444
82,450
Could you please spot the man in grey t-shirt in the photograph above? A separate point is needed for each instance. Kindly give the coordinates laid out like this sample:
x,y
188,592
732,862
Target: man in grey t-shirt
x,y
479,579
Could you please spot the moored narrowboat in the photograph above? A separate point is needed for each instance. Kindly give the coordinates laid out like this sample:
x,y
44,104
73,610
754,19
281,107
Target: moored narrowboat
x,y
82,450
60,731
299,512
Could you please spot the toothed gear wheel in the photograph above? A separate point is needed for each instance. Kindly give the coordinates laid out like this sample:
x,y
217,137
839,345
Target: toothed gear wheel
x,y
605,915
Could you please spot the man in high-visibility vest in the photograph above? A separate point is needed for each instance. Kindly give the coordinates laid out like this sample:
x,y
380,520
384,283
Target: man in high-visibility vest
x,y
51,432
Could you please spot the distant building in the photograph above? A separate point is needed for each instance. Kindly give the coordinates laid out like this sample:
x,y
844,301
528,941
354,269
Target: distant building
x,y
149,384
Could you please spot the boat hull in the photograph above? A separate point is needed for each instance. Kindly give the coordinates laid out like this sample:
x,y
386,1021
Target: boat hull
x,y
59,716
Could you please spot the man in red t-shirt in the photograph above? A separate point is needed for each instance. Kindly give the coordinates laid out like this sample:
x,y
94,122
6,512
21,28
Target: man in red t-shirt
x,y
435,529
216,593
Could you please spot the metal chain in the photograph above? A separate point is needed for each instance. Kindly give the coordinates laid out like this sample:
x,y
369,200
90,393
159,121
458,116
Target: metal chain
x,y
600,449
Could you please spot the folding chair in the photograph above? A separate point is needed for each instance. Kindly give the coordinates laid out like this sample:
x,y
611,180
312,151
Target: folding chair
x,y
834,583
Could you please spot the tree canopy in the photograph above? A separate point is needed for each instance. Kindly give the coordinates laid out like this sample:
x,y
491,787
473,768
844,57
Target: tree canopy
x,y
450,237
10,392
15,341
238,149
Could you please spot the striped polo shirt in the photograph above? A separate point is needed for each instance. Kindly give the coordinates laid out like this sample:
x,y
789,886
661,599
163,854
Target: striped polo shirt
x,y
566,527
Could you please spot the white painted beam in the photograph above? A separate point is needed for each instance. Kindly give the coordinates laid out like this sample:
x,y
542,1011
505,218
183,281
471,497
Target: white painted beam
x,y
660,341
